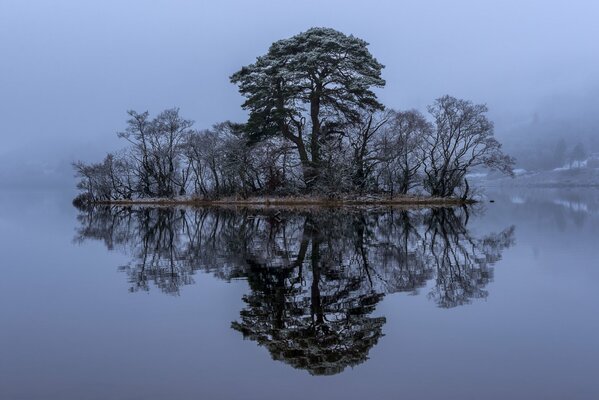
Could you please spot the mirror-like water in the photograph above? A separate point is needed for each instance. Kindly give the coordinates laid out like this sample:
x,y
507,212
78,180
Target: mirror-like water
x,y
113,302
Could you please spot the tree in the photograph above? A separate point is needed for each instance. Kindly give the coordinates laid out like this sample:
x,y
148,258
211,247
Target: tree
x,y
402,150
559,154
462,262
222,161
156,151
367,149
462,139
578,154
94,182
112,179
305,86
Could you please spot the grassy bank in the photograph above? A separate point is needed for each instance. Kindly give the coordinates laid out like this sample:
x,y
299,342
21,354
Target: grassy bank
x,y
399,201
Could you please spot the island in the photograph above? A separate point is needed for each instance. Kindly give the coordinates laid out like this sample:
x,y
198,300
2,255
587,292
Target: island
x,y
316,133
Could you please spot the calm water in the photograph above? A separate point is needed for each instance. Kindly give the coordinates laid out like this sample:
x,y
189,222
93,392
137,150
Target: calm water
x,y
496,302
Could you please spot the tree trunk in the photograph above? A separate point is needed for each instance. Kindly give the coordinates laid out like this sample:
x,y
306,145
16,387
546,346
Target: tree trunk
x,y
466,190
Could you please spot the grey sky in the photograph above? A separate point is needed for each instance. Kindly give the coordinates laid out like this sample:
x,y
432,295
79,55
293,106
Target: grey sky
x,y
70,69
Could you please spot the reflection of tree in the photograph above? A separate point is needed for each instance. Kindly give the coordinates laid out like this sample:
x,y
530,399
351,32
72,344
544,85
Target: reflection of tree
x,y
151,235
315,277
400,266
462,263
316,316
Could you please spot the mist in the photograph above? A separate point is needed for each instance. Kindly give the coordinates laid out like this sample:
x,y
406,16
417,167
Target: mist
x,y
70,70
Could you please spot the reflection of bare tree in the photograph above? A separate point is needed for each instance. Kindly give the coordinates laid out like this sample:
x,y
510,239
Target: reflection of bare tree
x,y
462,263
315,277
394,242
154,237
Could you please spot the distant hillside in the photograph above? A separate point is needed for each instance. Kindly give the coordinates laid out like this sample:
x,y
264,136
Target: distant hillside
x,y
557,178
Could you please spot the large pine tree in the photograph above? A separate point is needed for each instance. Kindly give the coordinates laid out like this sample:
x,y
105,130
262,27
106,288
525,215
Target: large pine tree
x,y
305,86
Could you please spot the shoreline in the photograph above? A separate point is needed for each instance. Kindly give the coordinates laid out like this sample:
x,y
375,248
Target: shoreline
x,y
416,202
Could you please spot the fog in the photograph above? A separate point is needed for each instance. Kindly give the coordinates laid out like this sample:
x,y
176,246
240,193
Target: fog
x,y
69,70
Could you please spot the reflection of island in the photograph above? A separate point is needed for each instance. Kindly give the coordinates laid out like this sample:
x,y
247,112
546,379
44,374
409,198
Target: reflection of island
x,y
315,277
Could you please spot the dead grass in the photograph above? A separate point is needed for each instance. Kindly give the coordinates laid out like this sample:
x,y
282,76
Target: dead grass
x,y
299,201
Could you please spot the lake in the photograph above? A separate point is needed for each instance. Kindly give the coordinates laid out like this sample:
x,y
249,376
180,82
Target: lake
x,y
495,301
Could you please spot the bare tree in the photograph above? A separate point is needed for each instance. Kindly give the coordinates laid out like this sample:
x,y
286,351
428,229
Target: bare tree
x,y
366,146
402,151
462,139
112,179
156,151
373,152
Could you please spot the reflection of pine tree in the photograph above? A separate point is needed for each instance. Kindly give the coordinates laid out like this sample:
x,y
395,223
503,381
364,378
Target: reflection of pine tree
x,y
314,317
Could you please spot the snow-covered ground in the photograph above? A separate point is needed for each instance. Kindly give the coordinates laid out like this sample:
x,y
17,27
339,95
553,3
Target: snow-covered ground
x,y
559,177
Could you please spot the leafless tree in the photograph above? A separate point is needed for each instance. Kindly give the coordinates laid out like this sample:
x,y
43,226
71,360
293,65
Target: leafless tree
x,y
462,139
364,138
112,179
156,151
402,150
392,152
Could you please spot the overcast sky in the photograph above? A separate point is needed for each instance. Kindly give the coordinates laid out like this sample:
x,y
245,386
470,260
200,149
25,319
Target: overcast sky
x,y
69,70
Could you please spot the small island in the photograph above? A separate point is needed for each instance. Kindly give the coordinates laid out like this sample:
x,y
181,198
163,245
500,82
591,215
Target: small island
x,y
316,134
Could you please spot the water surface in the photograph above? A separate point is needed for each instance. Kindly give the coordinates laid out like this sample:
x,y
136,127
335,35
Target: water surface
x,y
124,303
